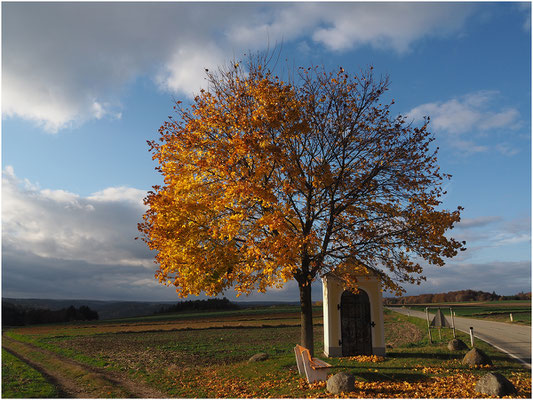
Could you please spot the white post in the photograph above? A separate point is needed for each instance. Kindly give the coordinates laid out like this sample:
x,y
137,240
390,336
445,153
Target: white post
x,y
452,313
511,316
472,336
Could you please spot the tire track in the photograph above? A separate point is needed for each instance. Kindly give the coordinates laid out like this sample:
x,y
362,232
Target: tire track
x,y
76,380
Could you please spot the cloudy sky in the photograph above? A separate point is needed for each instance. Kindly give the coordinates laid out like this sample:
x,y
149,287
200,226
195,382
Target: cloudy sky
x,y
84,85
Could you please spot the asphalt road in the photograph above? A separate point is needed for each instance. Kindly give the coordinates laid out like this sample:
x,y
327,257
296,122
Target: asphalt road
x,y
514,340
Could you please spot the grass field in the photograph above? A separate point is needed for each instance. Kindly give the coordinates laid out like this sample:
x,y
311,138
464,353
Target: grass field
x,y
206,356
491,310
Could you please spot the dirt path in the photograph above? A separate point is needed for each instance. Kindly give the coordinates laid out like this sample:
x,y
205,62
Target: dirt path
x,y
77,380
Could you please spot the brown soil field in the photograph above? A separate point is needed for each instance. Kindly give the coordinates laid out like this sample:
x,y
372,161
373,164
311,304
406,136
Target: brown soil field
x,y
285,319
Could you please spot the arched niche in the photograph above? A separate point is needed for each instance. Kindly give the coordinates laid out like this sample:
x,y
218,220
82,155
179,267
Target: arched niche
x,y
353,323
356,324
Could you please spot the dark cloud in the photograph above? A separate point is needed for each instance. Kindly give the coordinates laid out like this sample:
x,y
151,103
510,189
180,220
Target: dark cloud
x,y
60,245
56,244
27,275
486,232
477,222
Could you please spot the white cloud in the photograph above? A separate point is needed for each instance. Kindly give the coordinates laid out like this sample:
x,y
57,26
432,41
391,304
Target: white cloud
x,y
504,239
65,63
51,108
60,196
388,25
466,113
507,149
346,26
279,23
99,229
505,118
119,194
469,147
463,117
185,71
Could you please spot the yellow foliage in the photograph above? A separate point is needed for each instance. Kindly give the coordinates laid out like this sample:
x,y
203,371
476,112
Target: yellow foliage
x,y
453,385
372,358
263,184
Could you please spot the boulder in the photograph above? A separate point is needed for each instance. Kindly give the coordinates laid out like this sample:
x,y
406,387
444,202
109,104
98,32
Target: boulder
x,y
495,384
457,344
476,357
258,357
341,382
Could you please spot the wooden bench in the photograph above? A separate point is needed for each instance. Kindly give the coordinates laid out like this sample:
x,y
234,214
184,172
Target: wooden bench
x,y
313,368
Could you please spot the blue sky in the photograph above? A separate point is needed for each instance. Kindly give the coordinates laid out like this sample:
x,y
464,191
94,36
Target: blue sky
x,y
85,85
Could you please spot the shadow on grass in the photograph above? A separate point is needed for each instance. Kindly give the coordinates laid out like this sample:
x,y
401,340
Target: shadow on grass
x,y
528,360
438,356
381,373
442,356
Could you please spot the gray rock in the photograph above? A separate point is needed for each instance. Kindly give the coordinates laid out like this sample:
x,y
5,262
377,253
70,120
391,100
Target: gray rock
x,y
495,384
476,357
341,382
258,357
457,344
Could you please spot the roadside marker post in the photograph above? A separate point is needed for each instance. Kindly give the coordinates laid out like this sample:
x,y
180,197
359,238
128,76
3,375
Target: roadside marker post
x,y
472,336
452,314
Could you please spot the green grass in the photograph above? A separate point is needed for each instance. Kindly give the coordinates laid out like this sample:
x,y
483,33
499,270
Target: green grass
x,y
212,363
19,380
210,314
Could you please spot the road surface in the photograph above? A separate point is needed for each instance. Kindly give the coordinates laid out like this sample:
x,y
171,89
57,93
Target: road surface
x,y
514,340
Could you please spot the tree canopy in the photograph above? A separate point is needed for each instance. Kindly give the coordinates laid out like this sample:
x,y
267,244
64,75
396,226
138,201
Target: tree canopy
x,y
267,181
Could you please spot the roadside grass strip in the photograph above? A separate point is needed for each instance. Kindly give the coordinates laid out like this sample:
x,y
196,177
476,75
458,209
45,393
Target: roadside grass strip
x,y
498,311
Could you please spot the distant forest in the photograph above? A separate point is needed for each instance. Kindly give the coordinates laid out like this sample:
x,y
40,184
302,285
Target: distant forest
x,y
199,305
458,296
16,315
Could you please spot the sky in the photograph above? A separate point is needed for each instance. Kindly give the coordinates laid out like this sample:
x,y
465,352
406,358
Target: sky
x,y
85,85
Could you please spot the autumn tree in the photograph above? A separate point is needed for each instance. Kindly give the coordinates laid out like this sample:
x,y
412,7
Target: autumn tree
x,y
267,181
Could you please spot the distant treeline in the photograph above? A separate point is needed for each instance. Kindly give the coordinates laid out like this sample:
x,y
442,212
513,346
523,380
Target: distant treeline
x,y
458,296
199,305
16,315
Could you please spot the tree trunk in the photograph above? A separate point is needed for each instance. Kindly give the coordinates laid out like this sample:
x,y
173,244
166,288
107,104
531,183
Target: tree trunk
x,y
306,316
